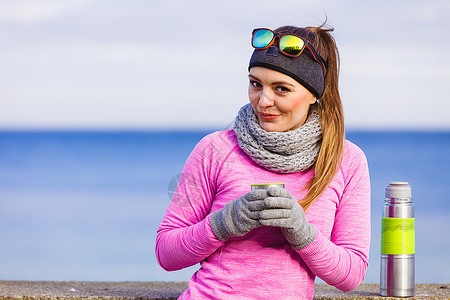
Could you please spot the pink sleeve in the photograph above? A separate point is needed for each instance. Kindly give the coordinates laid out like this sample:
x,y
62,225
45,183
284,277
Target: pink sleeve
x,y
184,237
342,260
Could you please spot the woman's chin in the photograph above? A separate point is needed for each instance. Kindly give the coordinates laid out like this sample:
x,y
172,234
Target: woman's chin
x,y
270,126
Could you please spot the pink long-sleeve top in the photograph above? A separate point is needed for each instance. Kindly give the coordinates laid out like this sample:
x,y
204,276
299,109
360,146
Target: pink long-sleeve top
x,y
262,264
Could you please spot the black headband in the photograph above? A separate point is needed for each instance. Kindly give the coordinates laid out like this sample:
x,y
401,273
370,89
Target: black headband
x,y
304,68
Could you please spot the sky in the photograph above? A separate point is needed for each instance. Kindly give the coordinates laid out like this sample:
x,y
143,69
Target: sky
x,y
99,64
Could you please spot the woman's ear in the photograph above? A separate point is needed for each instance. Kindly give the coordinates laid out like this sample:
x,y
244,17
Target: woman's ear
x,y
313,99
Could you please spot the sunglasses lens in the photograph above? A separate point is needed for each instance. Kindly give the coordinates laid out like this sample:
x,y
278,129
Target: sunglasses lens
x,y
262,38
291,45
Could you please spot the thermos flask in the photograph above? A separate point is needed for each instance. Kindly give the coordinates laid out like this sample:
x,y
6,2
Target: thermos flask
x,y
397,242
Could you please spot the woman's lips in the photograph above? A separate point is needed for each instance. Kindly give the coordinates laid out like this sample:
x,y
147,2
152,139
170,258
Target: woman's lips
x,y
268,117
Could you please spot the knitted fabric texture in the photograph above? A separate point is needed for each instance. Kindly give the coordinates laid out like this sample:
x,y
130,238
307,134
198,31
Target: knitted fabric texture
x,y
303,68
282,152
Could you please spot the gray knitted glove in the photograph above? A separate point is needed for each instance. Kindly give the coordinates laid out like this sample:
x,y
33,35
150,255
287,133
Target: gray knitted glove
x,y
281,209
238,216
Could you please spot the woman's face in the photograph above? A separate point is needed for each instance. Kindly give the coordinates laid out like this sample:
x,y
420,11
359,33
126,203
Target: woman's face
x,y
280,102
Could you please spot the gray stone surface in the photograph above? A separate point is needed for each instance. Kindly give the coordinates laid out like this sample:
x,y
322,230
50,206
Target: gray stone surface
x,y
171,290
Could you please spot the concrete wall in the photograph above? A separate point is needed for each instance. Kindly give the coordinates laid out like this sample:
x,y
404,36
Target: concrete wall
x,y
171,290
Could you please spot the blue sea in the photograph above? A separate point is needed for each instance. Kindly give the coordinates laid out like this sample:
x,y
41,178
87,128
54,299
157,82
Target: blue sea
x,y
85,206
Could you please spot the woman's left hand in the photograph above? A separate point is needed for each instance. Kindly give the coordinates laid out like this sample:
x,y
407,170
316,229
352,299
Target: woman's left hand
x,y
281,209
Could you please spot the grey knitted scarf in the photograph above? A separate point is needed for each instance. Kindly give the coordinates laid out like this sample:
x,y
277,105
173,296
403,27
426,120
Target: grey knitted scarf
x,y
281,152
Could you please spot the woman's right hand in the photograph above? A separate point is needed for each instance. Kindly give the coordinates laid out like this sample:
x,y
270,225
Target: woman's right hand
x,y
238,216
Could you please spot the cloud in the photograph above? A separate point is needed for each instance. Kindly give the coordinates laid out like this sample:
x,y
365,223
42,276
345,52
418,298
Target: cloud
x,y
36,11
113,64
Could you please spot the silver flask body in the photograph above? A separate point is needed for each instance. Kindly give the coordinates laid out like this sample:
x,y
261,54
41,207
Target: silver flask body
x,y
397,274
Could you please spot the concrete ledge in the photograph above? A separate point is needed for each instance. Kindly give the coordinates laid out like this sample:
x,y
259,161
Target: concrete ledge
x,y
171,290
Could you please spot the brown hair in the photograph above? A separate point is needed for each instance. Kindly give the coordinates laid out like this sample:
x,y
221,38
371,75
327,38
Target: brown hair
x,y
330,110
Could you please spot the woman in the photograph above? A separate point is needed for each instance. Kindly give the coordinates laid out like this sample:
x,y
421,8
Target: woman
x,y
272,243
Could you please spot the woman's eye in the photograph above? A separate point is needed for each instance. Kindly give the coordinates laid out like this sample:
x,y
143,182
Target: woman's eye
x,y
255,83
282,89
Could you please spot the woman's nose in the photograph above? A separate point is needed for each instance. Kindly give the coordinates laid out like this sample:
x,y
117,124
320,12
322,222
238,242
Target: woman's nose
x,y
265,99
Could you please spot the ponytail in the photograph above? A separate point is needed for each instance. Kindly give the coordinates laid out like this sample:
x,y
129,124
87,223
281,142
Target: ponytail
x,y
330,110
